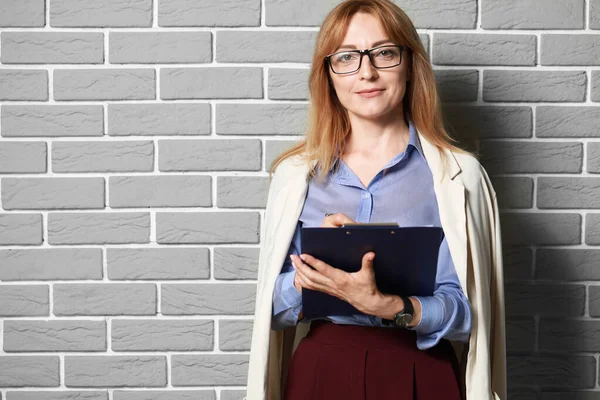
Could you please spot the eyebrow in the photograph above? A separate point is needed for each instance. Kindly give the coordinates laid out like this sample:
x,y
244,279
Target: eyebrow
x,y
351,46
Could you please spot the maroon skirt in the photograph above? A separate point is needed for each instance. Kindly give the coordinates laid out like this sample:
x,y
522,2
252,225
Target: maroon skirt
x,y
353,362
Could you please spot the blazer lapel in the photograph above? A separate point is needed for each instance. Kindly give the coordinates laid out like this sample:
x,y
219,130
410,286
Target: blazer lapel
x,y
450,193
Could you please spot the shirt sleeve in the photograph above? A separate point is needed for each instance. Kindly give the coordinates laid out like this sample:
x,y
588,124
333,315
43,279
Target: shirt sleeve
x,y
446,314
287,300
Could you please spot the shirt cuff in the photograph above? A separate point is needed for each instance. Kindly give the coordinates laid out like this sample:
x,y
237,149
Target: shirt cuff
x,y
291,296
432,314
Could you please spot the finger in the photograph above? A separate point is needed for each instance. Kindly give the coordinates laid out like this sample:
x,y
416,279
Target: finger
x,y
321,266
336,220
367,263
314,277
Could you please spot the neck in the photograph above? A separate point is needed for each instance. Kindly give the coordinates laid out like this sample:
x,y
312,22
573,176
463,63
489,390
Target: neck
x,y
381,138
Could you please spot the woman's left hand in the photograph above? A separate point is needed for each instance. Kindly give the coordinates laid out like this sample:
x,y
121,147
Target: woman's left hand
x,y
356,288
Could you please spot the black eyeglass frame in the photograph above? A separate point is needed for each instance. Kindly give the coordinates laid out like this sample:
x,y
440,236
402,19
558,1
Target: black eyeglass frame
x,y
362,53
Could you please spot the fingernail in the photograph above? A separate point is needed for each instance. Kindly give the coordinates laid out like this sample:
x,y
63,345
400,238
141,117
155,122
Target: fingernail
x,y
303,257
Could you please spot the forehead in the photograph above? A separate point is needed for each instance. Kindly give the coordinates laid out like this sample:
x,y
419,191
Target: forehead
x,y
363,30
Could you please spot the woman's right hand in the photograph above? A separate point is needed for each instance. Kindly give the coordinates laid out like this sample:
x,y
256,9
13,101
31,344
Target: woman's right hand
x,y
330,221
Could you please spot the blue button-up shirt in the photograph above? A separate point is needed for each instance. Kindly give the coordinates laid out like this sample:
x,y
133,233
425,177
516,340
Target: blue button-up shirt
x,y
401,192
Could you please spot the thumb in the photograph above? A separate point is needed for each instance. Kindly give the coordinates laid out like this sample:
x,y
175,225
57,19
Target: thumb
x,y
367,261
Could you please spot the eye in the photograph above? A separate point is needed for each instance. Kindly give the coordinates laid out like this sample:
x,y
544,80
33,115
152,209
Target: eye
x,y
345,57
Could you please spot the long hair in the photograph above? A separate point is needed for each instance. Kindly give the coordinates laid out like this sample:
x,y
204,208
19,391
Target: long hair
x,y
328,123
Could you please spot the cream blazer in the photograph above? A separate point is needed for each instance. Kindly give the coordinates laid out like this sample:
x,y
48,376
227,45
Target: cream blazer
x,y
469,216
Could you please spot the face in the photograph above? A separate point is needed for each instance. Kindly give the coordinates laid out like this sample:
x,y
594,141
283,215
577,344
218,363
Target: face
x,y
364,32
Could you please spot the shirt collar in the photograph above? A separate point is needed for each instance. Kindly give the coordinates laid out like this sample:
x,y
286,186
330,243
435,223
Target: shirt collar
x,y
342,174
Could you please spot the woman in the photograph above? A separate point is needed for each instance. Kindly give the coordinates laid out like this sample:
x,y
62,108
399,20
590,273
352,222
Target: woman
x,y
376,151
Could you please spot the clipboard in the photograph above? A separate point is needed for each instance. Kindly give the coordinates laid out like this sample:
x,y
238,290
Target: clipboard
x,y
405,261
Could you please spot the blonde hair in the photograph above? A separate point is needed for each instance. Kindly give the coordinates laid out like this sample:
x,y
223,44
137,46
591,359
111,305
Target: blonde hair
x,y
328,124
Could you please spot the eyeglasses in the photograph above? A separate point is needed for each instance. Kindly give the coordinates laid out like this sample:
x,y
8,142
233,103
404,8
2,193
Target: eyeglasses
x,y
347,62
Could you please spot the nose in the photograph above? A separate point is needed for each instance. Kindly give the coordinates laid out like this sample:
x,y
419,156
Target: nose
x,y
367,69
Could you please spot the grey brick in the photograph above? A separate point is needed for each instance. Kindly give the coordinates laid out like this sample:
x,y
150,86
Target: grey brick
x,y
552,371
162,335
22,13
213,13
593,158
288,83
594,306
235,335
274,148
567,264
24,301
104,299
22,157
514,192
520,334
554,192
52,48
57,395
121,371
52,193
108,13
556,121
478,49
233,394
103,156
65,335
209,369
242,191
570,49
164,395
98,228
52,120
541,229
518,262
23,84
35,371
548,86
105,84
158,119
594,14
20,229
424,14
469,122
160,47
179,263
207,227
208,299
531,157
160,191
457,85
569,335
256,46
595,86
236,263
211,82
261,119
546,300
50,264
532,14
592,229
571,395
209,155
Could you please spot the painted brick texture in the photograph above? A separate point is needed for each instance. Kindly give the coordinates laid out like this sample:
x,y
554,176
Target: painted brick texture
x,y
136,138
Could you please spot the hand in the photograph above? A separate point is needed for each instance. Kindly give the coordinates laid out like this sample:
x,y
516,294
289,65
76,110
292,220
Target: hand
x,y
336,220
357,288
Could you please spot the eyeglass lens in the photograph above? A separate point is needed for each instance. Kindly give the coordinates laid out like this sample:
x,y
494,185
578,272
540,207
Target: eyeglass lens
x,y
382,57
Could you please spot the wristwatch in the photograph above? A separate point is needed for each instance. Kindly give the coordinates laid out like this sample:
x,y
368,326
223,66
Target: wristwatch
x,y
403,318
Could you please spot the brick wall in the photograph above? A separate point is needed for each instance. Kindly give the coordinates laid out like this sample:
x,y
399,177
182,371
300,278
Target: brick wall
x,y
134,141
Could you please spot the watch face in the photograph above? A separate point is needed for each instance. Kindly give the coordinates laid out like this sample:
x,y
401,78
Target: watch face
x,y
403,320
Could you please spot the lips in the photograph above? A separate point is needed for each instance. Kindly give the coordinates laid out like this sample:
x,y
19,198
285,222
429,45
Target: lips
x,y
369,90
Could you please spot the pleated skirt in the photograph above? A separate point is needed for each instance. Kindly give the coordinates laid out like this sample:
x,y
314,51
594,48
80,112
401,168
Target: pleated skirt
x,y
352,362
